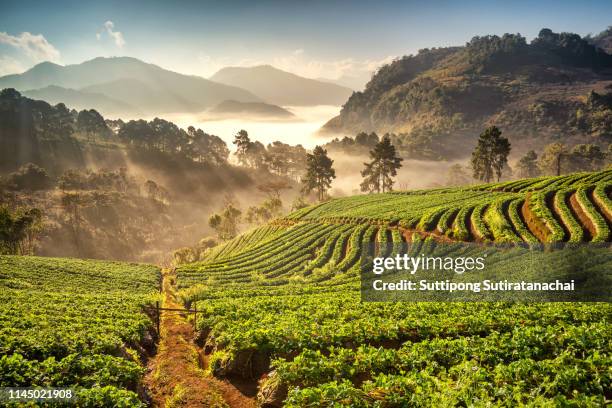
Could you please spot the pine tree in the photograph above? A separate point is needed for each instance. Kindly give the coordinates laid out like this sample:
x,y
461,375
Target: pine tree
x,y
243,144
378,174
554,160
319,172
527,166
490,155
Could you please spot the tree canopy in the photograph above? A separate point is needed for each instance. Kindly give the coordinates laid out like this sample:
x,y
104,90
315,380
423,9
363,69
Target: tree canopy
x,y
379,172
319,172
490,155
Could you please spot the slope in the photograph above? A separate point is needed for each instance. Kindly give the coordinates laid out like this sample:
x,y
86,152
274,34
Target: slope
x,y
82,99
442,98
281,305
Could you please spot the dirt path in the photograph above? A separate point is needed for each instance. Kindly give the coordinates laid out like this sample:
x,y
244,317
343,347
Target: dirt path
x,y
174,376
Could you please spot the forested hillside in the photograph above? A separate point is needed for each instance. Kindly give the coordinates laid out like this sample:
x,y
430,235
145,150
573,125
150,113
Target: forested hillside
x,y
73,183
555,88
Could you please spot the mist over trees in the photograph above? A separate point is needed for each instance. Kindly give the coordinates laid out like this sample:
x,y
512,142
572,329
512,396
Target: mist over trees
x,y
490,155
319,173
155,185
226,222
277,157
527,166
19,230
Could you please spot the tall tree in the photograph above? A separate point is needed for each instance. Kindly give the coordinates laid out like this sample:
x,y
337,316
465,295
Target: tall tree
x,y
554,159
19,230
458,175
243,143
72,203
378,174
91,123
365,139
274,188
527,166
257,157
490,155
587,157
319,172
226,223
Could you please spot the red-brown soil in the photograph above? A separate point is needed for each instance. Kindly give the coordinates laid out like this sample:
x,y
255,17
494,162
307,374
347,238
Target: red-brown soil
x,y
175,377
582,217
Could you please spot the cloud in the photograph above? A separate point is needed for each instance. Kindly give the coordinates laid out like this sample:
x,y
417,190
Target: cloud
x,y
117,36
359,70
35,47
10,65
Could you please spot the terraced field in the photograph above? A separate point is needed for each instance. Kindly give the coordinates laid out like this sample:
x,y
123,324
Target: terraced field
x,y
75,323
281,304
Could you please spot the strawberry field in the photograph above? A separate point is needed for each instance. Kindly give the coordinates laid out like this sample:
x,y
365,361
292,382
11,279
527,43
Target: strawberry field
x,y
281,304
75,323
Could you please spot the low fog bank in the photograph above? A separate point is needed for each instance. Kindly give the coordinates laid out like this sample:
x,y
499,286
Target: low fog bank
x,y
302,129
414,174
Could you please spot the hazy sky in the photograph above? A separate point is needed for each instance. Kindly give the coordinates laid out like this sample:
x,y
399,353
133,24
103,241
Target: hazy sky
x,y
311,38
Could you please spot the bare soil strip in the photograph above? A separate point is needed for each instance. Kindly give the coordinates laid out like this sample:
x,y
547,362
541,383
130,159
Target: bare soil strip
x,y
174,376
587,225
534,224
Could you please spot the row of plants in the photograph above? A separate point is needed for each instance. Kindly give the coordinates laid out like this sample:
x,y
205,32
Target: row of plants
x,y
288,311
576,233
602,232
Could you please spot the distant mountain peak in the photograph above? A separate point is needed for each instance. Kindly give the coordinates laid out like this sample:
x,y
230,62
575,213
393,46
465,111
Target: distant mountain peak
x,y
282,88
45,66
254,109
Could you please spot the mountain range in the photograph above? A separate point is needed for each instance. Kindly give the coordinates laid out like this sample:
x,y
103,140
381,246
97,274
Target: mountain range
x,y
127,87
140,88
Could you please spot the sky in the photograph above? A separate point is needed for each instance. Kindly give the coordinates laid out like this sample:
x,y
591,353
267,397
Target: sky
x,y
317,39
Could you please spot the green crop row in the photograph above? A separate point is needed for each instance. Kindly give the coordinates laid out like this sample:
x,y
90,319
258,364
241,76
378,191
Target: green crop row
x,y
514,210
498,223
576,233
601,196
539,207
288,311
601,227
480,228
